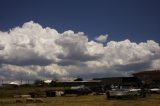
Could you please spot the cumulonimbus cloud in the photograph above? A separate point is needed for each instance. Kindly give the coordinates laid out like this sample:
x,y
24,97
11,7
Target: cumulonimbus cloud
x,y
31,52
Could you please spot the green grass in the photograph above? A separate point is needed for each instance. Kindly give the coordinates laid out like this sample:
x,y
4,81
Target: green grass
x,y
10,92
90,100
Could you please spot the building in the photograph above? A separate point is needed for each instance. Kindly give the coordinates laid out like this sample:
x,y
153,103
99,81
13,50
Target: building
x,y
148,77
76,83
131,81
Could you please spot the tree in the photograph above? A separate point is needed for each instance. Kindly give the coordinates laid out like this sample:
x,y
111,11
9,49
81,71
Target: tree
x,y
78,79
38,82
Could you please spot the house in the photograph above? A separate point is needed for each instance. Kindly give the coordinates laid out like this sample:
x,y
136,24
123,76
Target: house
x,y
149,77
76,83
130,81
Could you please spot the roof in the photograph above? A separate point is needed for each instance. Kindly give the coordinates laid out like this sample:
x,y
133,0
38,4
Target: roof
x,y
152,72
47,81
112,78
81,81
14,83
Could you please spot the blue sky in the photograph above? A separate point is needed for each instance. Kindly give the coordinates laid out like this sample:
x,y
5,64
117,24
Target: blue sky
x,y
137,20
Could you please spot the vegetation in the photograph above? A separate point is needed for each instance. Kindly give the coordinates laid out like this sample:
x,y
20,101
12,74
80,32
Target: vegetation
x,y
78,79
6,98
89,100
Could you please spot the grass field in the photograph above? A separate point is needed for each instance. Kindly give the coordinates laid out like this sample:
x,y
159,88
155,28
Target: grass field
x,y
89,100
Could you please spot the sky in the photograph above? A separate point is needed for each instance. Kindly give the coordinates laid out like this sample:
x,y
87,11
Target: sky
x,y
64,39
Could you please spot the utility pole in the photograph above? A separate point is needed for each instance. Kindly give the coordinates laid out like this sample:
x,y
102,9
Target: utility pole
x,y
21,81
2,82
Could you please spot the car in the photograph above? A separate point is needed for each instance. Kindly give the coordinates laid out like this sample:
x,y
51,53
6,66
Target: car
x,y
123,92
78,90
154,90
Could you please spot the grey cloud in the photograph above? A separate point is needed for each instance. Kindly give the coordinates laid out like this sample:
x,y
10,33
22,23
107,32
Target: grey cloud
x,y
74,48
22,58
134,67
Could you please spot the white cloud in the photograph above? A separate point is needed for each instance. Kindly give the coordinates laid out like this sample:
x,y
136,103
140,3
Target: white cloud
x,y
32,52
102,38
156,64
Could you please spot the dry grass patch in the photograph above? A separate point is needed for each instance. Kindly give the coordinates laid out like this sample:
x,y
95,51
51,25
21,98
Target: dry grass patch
x,y
95,100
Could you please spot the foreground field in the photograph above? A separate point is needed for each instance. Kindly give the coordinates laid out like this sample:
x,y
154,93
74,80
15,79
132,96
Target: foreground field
x,y
96,100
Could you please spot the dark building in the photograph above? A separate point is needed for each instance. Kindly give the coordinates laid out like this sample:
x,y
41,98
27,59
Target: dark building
x,y
149,77
9,86
76,83
131,81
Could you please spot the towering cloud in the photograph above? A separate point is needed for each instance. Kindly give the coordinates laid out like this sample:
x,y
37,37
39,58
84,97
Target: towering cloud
x,y
33,52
